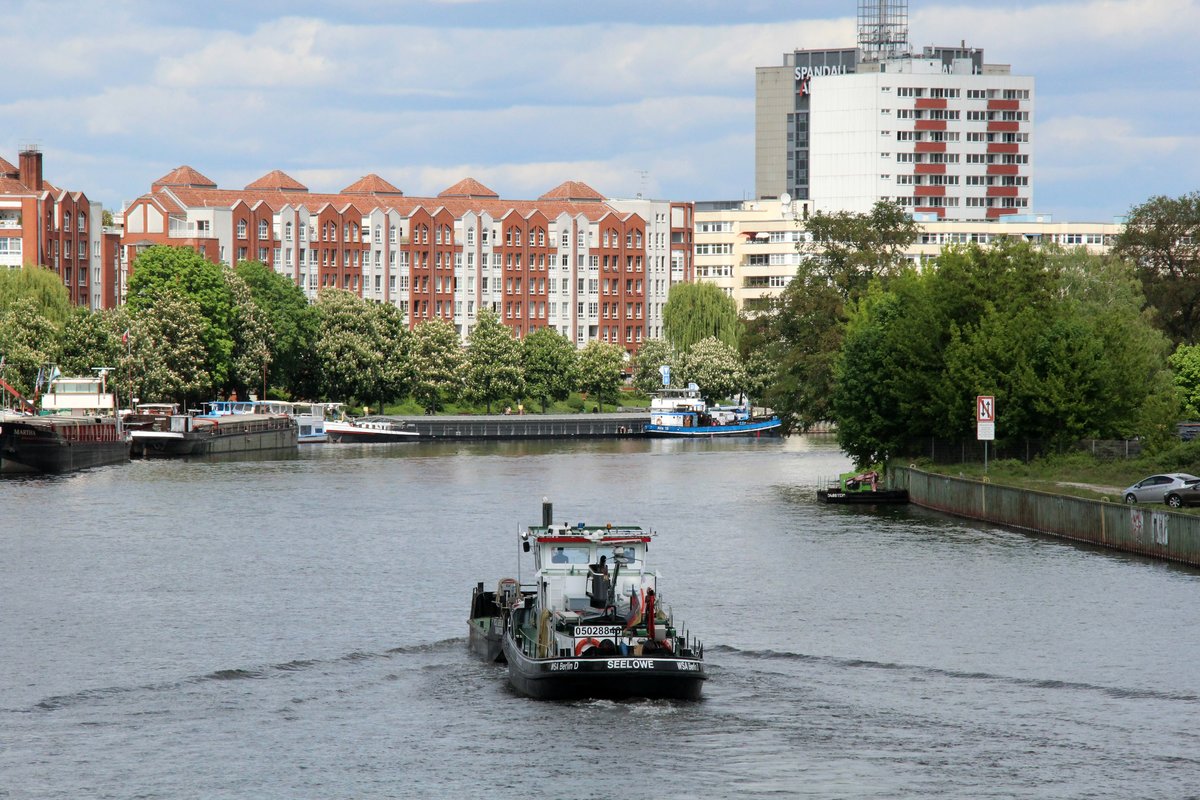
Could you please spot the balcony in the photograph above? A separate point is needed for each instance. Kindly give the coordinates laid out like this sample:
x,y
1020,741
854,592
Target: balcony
x,y
929,191
1002,147
929,169
931,102
1003,127
994,213
1002,169
1003,105
1002,191
931,125
930,147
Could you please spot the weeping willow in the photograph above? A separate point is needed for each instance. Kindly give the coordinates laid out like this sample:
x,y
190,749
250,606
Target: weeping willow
x,y
696,311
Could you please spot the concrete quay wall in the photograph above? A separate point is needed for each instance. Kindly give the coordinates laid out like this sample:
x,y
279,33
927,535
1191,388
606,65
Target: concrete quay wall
x,y
1157,533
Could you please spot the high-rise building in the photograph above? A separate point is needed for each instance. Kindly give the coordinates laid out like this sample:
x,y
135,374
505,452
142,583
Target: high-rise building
x,y
46,226
942,132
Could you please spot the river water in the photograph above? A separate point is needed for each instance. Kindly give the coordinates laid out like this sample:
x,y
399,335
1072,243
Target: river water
x,y
296,629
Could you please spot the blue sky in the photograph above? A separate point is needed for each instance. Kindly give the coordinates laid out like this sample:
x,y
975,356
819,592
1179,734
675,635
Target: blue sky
x,y
630,97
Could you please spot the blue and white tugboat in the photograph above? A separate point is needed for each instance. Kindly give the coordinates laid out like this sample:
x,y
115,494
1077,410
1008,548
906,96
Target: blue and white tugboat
x,y
684,413
592,623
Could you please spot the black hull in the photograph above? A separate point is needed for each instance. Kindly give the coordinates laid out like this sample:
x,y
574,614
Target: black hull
x,y
884,496
484,638
619,677
34,448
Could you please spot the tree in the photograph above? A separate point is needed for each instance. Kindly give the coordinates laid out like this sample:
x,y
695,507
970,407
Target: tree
x,y
293,326
549,362
848,249
437,362
349,361
1162,238
651,356
93,339
1185,362
167,353
43,287
395,344
715,367
600,369
802,332
28,342
1058,338
182,271
696,311
252,337
493,361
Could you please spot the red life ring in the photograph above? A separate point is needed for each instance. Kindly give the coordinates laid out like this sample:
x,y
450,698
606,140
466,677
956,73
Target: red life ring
x,y
585,644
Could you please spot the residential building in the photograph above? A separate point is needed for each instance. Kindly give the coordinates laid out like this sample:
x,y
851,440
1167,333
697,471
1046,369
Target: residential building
x,y
752,249
44,225
589,268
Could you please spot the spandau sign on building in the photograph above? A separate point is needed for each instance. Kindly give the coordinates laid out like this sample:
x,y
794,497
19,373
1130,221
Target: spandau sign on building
x,y
803,73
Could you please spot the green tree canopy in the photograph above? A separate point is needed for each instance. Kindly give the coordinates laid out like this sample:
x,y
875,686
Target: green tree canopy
x,y
252,338
601,367
41,286
493,361
349,350
293,325
1162,237
802,332
651,355
696,311
166,352
549,363
437,362
93,339
849,250
1185,362
1058,338
715,367
28,342
184,272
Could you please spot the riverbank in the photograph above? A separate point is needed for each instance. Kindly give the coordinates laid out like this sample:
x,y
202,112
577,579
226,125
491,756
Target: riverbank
x,y
1133,529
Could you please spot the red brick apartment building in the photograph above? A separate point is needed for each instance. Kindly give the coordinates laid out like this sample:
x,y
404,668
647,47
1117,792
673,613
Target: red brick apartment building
x,y
43,225
591,268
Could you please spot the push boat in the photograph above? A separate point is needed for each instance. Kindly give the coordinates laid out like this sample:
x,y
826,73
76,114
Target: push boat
x,y
855,488
371,430
580,630
684,413
76,428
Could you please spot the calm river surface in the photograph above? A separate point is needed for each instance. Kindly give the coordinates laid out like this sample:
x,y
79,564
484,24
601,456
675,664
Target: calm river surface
x,y
296,629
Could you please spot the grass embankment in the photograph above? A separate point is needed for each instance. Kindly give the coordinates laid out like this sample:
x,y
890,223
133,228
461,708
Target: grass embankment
x,y
1081,474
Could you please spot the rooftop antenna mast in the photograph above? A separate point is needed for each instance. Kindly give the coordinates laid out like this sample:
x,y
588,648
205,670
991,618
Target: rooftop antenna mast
x,y
642,173
882,28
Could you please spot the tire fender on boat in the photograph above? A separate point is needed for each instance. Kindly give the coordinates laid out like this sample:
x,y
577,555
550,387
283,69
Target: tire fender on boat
x,y
585,644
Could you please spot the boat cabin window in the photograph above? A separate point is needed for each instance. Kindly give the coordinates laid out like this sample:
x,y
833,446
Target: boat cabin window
x,y
624,554
566,554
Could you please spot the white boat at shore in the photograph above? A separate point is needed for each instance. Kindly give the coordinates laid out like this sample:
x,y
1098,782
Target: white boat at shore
x,y
370,429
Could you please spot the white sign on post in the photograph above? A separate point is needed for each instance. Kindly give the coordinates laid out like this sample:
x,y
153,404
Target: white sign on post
x,y
985,418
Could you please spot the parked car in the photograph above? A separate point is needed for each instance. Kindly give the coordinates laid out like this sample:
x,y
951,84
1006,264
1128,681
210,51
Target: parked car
x,y
1155,488
1186,495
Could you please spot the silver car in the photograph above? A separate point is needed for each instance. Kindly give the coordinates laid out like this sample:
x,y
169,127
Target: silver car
x,y
1152,489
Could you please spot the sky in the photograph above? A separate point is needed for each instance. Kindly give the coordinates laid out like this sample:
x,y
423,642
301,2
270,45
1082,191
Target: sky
x,y
654,98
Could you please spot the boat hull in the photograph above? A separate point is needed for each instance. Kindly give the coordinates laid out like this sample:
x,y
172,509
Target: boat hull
x,y
771,427
344,432
58,446
485,638
617,677
838,497
237,433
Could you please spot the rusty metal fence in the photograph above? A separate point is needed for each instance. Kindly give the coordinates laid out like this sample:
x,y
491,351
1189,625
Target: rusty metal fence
x,y
1133,529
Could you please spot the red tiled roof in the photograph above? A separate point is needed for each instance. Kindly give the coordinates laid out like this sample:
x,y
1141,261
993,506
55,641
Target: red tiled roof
x,y
574,191
7,170
468,187
278,180
184,176
371,184
13,186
